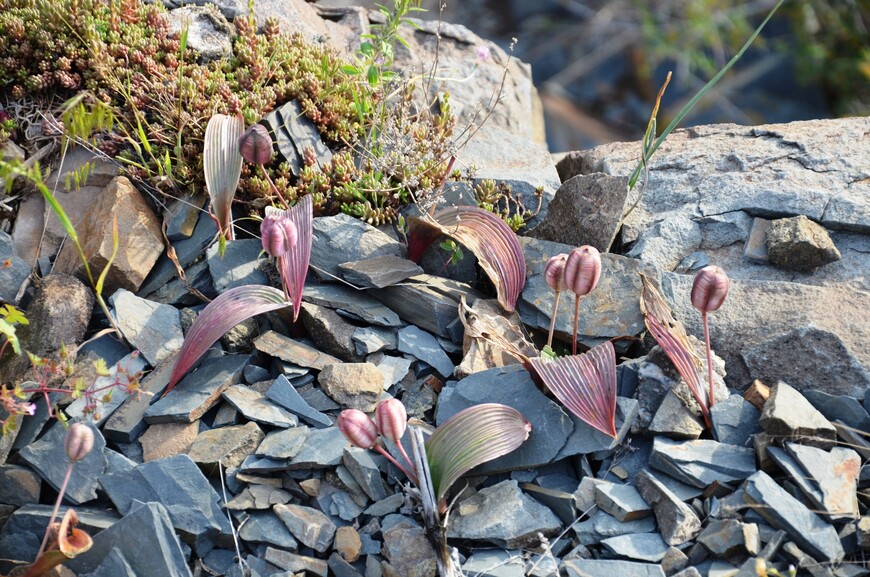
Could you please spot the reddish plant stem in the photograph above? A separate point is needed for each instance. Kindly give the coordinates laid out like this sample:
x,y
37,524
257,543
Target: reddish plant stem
x,y
576,323
390,458
709,358
56,508
275,188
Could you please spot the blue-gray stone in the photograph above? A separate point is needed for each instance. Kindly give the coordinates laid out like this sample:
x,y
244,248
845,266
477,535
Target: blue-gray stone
x,y
181,216
622,501
284,444
603,525
677,521
219,561
121,375
735,420
128,422
239,266
785,512
312,527
344,506
648,547
840,408
19,485
386,506
48,457
114,565
560,502
511,386
494,563
266,527
363,468
368,340
423,346
394,369
343,238
255,374
378,272
177,484
609,568
703,462
318,400
153,328
145,523
286,395
587,439
256,407
177,292
323,448
351,303
14,274
255,465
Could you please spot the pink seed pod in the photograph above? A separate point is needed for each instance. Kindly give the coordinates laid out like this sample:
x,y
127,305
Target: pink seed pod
x,y
278,233
709,289
583,269
554,272
391,419
79,442
358,428
255,145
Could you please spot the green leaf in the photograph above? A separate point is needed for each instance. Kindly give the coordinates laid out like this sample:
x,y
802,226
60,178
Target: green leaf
x,y
367,49
373,75
13,315
351,70
470,437
8,331
98,288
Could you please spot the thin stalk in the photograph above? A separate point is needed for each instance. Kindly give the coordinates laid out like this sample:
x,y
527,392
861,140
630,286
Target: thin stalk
x,y
56,508
709,357
405,455
553,319
390,458
275,188
576,323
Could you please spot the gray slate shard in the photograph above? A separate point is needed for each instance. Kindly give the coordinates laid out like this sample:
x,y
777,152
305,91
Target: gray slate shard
x,y
286,395
13,275
678,523
735,420
293,132
255,374
600,315
551,427
145,523
283,444
238,266
120,374
368,340
649,547
256,407
177,484
323,448
703,462
840,408
622,501
788,415
341,568
312,527
586,439
19,485
153,328
502,515
729,537
176,291
364,469
602,525
423,346
294,563
378,272
114,565
673,419
182,214
47,457
351,303
608,568
277,345
343,238
386,506
128,422
785,512
560,502
266,527
494,563
198,391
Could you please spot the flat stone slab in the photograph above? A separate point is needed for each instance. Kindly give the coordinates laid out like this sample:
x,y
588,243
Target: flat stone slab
x,y
256,407
312,527
153,328
379,271
622,501
196,393
649,547
225,446
608,568
735,420
323,448
788,415
128,421
284,348
283,444
355,304
343,238
238,266
266,527
703,462
678,522
423,346
286,395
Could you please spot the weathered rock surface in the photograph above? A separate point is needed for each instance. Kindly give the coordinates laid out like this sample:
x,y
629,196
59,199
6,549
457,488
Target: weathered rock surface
x,y
677,521
788,415
353,385
342,238
799,244
208,32
153,328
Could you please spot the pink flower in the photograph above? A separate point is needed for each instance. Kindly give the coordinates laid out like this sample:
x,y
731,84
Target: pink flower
x,y
484,55
29,408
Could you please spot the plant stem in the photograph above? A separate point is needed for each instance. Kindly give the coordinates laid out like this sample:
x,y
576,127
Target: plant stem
x,y
553,319
576,322
709,357
56,508
274,188
390,458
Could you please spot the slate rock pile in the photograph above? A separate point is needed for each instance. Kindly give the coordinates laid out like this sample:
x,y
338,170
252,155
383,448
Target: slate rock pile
x,y
245,448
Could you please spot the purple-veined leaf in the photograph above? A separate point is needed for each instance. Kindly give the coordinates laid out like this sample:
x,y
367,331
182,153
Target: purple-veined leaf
x,y
470,437
223,313
585,384
672,338
222,165
294,266
487,236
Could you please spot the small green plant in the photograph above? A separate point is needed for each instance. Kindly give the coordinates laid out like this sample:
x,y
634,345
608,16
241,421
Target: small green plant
x,y
10,317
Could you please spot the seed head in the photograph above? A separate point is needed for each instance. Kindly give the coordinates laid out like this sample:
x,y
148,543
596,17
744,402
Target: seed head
x,y
255,145
79,441
582,270
391,419
709,289
278,233
358,428
554,272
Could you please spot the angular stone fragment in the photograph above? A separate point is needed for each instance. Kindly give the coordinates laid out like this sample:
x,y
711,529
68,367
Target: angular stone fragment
x,y
365,471
140,239
167,440
120,375
588,440
348,543
502,515
353,385
343,238
14,271
494,563
379,271
735,420
186,252
128,422
266,527
611,568
228,446
284,444
18,485
730,537
286,395
153,328
788,415
238,266
199,391
647,547
284,348
323,448
408,550
330,332
425,347
785,512
840,407
703,462
310,526
673,419
368,340
256,407
797,243
294,563
560,502
755,248
678,523
351,303
258,498
58,315
622,501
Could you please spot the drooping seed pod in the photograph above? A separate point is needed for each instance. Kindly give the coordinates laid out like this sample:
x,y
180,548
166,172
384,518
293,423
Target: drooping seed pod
x,y
391,419
709,289
79,442
358,428
554,272
582,270
278,233
255,145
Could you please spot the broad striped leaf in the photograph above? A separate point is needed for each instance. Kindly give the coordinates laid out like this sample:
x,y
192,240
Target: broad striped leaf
x,y
223,313
470,437
222,165
672,338
487,236
585,384
294,266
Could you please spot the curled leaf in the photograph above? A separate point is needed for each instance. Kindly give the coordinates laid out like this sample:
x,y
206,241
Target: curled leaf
x,y
487,236
470,437
585,384
223,313
222,165
293,266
